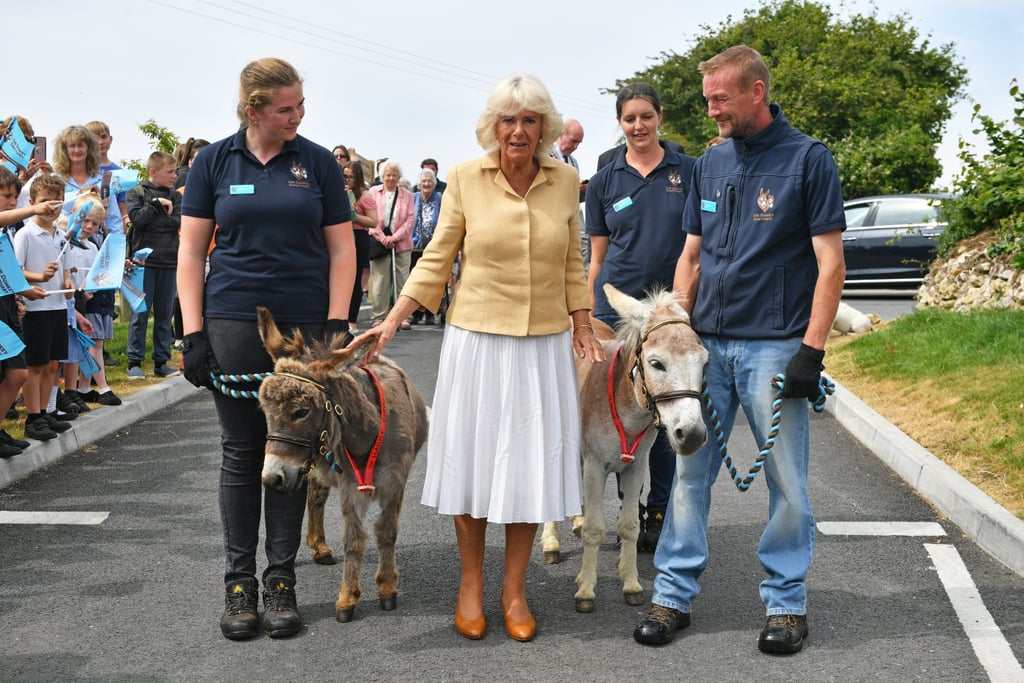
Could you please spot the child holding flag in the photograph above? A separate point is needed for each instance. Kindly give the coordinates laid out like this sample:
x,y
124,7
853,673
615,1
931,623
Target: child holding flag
x,y
45,324
13,368
98,310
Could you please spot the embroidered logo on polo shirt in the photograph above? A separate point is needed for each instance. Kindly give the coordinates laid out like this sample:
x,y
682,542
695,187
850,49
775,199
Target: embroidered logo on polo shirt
x,y
676,180
300,175
765,202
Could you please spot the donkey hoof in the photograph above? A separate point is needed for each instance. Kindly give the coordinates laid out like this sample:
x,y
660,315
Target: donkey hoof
x,y
634,598
344,615
552,556
388,603
325,559
585,605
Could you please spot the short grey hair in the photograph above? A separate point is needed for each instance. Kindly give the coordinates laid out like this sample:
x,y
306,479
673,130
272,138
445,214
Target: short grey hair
x,y
387,165
517,93
427,173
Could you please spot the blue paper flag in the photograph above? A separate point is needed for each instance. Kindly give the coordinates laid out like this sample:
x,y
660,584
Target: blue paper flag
x,y
86,363
10,343
107,271
141,255
122,180
15,148
75,224
12,279
131,289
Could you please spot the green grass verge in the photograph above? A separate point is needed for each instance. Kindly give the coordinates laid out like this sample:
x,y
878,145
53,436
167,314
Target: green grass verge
x,y
955,383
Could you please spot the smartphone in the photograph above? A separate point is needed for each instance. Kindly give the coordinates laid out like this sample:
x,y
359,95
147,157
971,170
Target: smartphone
x,y
39,151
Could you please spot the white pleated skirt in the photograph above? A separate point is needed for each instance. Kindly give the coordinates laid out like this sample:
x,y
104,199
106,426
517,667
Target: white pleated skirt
x,y
504,428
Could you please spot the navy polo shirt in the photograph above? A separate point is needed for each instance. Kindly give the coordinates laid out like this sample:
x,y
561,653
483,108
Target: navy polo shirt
x,y
641,218
270,248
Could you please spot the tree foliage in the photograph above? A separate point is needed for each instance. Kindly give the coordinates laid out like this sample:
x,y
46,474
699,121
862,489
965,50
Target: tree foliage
x,y
990,189
873,90
160,140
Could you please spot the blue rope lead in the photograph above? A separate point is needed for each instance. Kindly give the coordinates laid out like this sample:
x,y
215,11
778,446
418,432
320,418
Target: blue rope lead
x,y
227,384
826,388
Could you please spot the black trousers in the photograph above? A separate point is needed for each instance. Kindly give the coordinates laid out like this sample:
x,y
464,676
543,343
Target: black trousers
x,y
362,238
238,349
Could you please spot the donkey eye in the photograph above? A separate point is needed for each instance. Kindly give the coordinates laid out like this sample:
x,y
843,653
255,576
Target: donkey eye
x,y
300,414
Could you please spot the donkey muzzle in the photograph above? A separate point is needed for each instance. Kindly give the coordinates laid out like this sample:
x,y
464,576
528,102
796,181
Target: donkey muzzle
x,y
282,477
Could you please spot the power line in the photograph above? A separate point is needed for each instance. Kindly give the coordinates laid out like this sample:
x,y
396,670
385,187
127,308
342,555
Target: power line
x,y
477,81
358,41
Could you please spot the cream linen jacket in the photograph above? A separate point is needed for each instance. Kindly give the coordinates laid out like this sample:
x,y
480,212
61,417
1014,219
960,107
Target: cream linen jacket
x,y
522,273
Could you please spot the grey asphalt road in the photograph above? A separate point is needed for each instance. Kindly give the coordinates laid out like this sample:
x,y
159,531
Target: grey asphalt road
x,y
138,596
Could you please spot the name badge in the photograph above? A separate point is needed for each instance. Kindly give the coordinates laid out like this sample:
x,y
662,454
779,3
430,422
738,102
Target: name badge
x,y
708,205
623,203
243,189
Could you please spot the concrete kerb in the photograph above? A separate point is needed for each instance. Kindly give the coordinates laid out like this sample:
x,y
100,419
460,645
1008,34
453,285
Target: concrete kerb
x,y
95,425
991,526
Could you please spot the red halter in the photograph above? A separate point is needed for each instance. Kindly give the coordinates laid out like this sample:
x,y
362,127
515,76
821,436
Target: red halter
x,y
364,478
628,452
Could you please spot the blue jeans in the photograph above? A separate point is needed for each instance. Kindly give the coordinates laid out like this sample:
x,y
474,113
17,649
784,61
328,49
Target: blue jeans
x,y
237,347
739,374
661,463
159,286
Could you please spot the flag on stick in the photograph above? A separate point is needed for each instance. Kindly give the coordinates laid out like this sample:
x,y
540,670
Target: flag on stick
x,y
10,343
107,270
12,279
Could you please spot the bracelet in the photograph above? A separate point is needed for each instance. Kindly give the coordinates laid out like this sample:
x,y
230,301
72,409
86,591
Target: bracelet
x,y
576,328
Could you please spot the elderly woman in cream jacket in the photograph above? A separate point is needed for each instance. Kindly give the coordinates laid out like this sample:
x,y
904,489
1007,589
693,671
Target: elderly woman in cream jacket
x,y
504,432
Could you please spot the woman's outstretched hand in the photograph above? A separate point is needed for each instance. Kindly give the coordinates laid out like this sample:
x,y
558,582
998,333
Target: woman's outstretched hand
x,y
586,345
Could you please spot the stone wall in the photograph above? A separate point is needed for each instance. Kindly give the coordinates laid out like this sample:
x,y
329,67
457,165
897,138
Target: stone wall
x,y
970,279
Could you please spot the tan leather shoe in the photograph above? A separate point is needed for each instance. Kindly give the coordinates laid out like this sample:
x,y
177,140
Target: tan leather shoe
x,y
523,631
474,629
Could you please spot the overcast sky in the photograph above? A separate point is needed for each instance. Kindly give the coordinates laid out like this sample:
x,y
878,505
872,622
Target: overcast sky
x,y
404,79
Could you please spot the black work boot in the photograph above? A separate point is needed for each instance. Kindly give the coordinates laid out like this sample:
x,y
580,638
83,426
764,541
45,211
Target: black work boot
x,y
280,613
240,620
783,634
652,530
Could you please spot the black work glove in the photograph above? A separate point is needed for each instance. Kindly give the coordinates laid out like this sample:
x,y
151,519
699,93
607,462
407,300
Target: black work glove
x,y
197,357
336,327
804,373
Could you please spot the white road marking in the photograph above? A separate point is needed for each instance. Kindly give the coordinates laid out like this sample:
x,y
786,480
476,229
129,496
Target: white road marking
x,y
10,517
988,642
881,528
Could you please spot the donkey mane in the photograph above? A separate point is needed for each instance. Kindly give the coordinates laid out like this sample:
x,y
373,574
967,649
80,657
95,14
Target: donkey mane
x,y
630,327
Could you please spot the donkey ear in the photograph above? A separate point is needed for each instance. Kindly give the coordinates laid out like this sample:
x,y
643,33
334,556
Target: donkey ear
x,y
271,336
628,308
345,357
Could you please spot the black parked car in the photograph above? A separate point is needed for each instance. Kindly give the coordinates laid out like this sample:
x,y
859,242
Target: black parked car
x,y
890,240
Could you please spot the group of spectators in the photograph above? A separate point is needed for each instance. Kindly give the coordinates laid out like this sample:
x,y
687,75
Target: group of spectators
x,y
393,222
55,217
